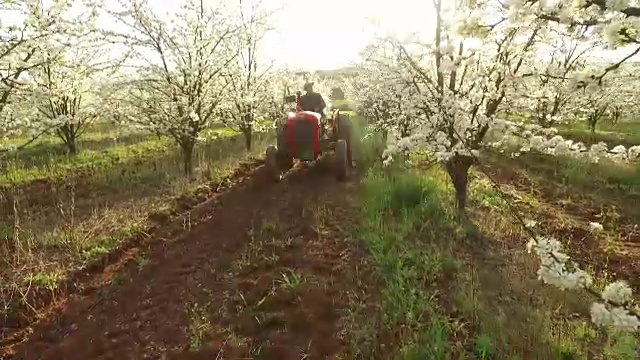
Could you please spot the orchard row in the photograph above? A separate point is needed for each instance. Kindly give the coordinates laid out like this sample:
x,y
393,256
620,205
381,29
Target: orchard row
x,y
486,74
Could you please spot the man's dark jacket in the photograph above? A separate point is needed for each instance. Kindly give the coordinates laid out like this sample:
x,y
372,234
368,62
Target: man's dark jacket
x,y
312,101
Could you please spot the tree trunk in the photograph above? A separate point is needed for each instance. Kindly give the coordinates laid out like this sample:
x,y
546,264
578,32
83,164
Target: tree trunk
x,y
543,122
248,138
72,146
617,114
592,126
405,130
187,157
458,170
67,133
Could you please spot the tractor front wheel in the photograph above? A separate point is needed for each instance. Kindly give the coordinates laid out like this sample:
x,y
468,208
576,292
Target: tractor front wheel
x,y
341,157
271,163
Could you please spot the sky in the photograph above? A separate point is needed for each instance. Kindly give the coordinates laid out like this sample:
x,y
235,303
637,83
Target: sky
x,y
332,35
316,35
329,34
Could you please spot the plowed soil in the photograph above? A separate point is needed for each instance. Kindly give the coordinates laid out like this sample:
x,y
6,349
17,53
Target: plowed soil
x,y
268,275
566,214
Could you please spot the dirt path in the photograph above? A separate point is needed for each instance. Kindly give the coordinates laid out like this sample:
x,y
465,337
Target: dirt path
x,y
269,275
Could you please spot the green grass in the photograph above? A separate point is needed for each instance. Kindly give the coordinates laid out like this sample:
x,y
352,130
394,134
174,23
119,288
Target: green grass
x,y
21,169
624,133
97,136
584,175
405,229
342,105
402,215
47,159
453,292
605,182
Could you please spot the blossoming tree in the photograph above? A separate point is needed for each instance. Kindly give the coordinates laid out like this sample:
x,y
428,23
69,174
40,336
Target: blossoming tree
x,y
63,93
457,89
27,29
623,97
390,101
248,78
613,21
179,63
592,106
545,92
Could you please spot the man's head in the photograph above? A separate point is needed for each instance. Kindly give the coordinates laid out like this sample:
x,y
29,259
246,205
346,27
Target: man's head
x,y
308,87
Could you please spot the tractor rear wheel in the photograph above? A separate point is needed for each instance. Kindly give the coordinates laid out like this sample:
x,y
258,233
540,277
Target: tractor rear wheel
x,y
271,163
341,160
344,133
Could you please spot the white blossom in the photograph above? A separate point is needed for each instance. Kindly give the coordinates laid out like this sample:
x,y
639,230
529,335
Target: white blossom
x,y
594,226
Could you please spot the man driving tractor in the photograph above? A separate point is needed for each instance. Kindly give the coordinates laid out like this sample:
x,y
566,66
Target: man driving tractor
x,y
312,101
306,135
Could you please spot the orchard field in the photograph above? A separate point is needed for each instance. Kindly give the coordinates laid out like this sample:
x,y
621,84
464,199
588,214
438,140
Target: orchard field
x,y
491,212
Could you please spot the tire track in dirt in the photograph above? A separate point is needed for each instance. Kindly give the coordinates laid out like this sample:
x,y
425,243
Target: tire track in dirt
x,y
265,277
287,296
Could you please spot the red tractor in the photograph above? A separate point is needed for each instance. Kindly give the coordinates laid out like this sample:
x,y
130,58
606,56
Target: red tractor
x,y
305,136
